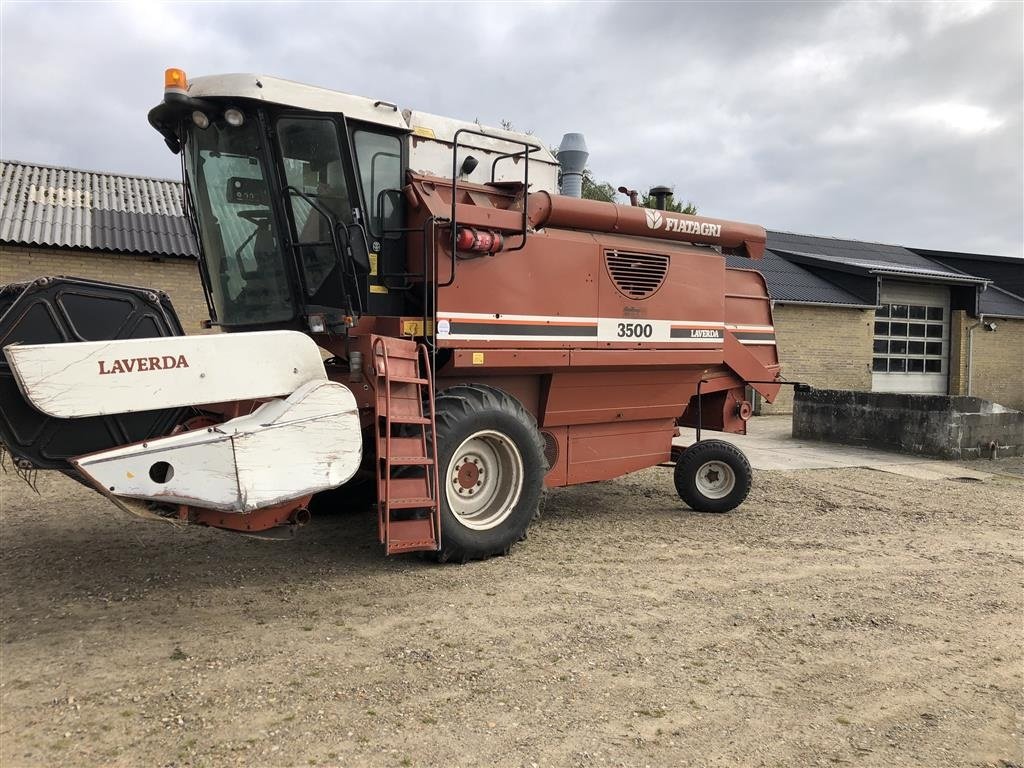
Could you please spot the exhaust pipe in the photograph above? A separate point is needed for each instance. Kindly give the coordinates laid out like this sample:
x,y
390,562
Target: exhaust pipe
x,y
661,197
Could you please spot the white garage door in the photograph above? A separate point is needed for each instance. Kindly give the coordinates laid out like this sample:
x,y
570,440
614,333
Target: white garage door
x,y
911,346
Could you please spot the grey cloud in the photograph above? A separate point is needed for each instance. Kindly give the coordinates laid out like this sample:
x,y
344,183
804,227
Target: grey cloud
x,y
832,119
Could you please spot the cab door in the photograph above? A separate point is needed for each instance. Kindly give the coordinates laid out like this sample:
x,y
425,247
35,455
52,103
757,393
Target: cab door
x,y
380,168
317,181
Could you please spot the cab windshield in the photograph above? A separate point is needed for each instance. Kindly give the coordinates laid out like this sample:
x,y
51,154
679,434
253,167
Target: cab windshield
x,y
241,243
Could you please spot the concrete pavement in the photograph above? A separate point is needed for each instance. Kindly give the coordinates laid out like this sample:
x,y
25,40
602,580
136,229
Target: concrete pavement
x,y
770,445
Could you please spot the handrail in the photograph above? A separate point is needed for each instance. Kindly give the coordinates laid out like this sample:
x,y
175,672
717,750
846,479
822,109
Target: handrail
x,y
510,155
334,223
435,515
384,515
527,146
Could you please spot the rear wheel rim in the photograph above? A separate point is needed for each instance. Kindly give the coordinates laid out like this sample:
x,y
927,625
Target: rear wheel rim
x,y
484,480
715,479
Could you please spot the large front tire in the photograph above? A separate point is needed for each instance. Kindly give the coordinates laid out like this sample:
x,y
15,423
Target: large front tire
x,y
491,469
713,476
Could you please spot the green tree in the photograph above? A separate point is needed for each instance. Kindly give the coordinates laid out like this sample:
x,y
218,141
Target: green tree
x,y
597,190
604,192
647,201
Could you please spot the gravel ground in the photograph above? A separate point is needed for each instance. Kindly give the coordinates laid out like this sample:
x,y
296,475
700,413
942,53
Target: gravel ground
x,y
840,617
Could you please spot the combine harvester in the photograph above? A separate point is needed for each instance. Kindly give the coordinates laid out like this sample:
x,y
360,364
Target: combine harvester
x,y
406,300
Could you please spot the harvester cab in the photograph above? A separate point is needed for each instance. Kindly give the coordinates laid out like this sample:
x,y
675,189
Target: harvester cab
x,y
296,194
406,304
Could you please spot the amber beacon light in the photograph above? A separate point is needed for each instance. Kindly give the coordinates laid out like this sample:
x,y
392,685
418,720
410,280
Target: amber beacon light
x,y
175,81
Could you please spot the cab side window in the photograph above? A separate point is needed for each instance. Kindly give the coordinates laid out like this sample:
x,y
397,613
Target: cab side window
x,y
380,170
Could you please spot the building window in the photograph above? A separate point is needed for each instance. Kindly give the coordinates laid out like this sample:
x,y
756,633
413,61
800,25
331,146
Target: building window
x,y
909,338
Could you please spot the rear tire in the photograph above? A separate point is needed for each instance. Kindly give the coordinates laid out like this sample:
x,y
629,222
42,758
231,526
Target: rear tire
x,y
713,476
491,471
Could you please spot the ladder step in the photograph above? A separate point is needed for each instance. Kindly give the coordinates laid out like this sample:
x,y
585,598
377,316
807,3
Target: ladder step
x,y
411,536
401,349
410,488
408,380
412,502
399,419
411,461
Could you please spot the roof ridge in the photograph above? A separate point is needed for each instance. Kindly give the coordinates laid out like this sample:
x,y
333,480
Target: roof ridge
x,y
27,164
841,239
916,250
873,266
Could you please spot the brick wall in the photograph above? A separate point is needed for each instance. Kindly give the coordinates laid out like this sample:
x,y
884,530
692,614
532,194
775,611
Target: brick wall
x,y
959,322
998,369
178,277
827,347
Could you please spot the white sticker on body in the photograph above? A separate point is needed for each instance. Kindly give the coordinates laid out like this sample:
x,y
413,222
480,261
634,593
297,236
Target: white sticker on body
x,y
629,329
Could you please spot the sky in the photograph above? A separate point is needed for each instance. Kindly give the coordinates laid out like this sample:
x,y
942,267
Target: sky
x,y
890,122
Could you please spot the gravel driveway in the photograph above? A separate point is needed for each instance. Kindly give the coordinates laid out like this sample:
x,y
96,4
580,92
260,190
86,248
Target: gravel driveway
x,y
841,616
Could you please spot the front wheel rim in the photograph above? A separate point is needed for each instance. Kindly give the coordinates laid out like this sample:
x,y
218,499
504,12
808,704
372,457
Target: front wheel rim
x,y
484,480
715,479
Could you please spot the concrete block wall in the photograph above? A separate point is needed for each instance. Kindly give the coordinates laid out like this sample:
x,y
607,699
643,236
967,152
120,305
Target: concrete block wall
x,y
927,425
179,277
828,347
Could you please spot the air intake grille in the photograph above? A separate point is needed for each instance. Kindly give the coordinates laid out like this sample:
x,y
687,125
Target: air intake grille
x,y
550,449
636,275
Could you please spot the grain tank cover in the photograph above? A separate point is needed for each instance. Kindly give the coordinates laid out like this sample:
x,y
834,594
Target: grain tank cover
x,y
545,210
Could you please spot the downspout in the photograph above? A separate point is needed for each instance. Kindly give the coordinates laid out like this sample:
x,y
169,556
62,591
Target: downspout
x,y
970,352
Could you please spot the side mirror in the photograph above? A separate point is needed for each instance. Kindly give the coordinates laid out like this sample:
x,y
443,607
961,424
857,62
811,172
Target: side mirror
x,y
357,247
386,212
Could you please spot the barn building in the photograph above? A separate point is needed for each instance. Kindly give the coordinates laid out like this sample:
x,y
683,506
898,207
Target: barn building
x,y
121,229
873,317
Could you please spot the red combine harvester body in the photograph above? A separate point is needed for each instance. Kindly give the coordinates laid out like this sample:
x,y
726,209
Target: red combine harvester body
x,y
452,342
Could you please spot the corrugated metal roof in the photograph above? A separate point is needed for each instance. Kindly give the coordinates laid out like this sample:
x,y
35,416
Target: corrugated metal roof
x,y
847,249
67,208
996,302
796,269
933,272
1007,272
792,284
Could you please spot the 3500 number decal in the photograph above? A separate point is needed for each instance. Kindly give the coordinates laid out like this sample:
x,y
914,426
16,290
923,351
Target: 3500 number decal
x,y
635,330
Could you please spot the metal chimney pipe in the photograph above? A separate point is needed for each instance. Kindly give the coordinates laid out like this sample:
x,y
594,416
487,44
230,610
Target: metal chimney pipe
x,y
572,157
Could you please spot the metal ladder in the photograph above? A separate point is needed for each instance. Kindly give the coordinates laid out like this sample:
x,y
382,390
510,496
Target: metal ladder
x,y
409,515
